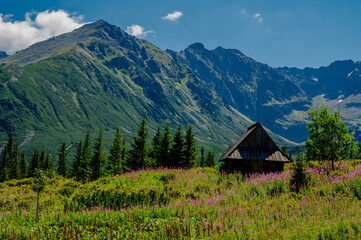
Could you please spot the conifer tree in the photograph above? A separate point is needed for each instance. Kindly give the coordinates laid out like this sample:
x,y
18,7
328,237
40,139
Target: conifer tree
x,y
210,160
138,155
34,163
42,159
156,148
177,149
165,147
4,169
115,161
86,156
202,160
190,149
7,165
98,156
76,172
23,166
48,163
124,154
14,162
61,169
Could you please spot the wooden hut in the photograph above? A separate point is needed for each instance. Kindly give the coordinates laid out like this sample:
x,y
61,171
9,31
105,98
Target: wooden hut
x,y
255,151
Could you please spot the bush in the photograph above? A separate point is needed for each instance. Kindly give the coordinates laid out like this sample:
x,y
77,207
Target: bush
x,y
299,178
67,191
289,166
275,188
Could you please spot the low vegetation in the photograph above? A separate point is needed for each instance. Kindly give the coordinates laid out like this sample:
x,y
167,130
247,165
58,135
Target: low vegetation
x,y
198,203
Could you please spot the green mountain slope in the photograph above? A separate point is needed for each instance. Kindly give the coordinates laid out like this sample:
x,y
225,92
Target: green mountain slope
x,y
99,75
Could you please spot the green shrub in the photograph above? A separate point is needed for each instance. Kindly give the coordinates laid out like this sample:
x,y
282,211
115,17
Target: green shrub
x,y
17,183
289,166
299,178
275,188
166,177
67,191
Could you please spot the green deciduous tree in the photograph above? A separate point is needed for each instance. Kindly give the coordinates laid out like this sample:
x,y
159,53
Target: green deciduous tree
x,y
61,168
138,154
115,164
329,138
190,149
38,185
98,156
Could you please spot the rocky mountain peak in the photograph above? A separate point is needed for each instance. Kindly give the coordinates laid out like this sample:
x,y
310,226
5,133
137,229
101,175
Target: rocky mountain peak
x,y
3,54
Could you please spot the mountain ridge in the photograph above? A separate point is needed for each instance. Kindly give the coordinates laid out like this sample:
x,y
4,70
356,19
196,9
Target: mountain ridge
x,y
109,79
98,75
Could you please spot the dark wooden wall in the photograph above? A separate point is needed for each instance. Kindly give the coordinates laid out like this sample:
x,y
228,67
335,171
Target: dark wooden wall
x,y
252,166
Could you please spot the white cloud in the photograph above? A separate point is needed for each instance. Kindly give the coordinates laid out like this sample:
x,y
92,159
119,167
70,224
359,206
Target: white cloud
x,y
173,16
137,31
37,26
243,11
258,17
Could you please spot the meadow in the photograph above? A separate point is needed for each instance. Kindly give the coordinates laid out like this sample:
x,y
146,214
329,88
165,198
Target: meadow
x,y
198,203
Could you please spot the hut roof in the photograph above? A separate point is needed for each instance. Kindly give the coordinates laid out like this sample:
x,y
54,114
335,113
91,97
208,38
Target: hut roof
x,y
256,144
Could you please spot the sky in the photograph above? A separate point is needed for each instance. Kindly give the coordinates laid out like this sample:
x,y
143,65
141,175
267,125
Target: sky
x,y
279,33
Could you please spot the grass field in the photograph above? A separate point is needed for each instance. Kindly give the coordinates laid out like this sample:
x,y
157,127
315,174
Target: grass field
x,y
187,204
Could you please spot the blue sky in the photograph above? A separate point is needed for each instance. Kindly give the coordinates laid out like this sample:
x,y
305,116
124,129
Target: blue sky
x,y
280,33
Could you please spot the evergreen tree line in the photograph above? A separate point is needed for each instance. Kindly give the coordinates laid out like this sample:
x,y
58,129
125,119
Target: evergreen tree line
x,y
90,161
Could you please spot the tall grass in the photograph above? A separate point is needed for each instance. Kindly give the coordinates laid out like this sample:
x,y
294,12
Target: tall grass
x,y
187,204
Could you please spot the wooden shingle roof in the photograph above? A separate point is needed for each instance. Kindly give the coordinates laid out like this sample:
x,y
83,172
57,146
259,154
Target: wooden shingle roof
x,y
256,144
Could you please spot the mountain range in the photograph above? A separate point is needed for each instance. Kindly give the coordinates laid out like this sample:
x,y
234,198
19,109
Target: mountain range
x,y
100,76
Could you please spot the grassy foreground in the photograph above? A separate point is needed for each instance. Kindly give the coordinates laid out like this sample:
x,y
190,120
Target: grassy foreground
x,y
187,204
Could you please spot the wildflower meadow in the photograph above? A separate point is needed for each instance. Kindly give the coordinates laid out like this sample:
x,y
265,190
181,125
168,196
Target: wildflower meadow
x,y
199,203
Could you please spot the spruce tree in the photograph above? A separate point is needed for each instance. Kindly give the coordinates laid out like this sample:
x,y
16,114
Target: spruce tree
x,y
76,172
115,161
190,149
42,159
210,160
177,149
156,148
14,162
86,156
165,147
34,163
48,164
138,155
202,160
299,177
23,166
4,165
61,169
124,154
8,164
98,156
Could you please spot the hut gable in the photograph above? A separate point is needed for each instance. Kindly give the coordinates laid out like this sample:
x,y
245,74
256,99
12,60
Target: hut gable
x,y
254,147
